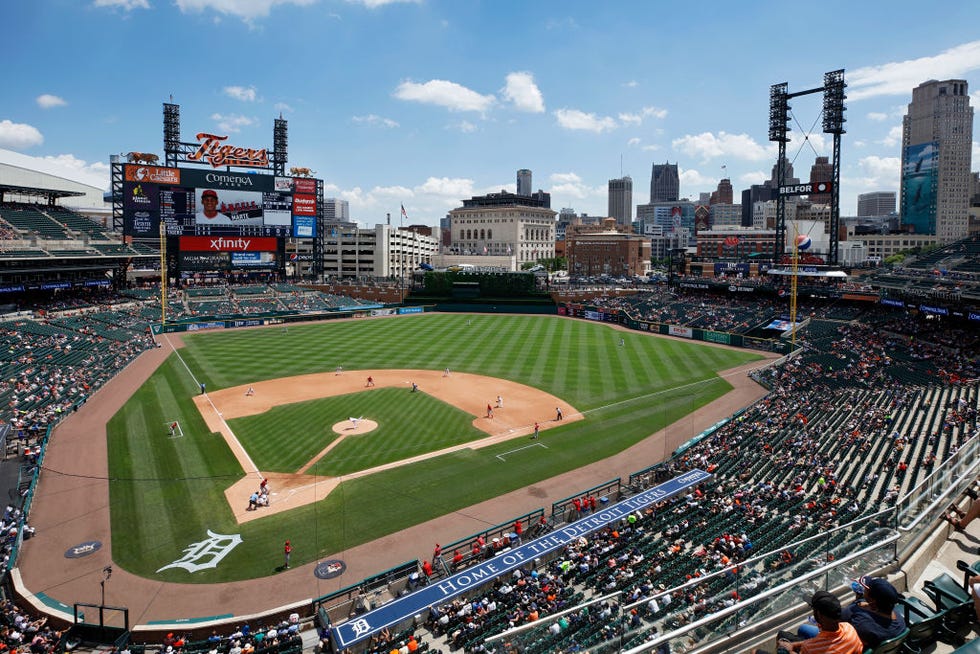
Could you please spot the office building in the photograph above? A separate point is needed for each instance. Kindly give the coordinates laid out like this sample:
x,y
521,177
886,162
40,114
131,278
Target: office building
x,y
665,183
335,209
724,194
505,224
878,203
821,171
524,182
937,136
621,201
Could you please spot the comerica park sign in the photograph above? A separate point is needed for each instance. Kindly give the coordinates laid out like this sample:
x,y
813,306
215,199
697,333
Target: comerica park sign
x,y
807,189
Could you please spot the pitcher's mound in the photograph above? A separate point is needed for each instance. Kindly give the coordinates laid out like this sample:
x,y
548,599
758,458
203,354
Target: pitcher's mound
x,y
347,428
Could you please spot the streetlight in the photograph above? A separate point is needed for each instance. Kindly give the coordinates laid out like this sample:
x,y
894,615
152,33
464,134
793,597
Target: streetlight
x,y
106,573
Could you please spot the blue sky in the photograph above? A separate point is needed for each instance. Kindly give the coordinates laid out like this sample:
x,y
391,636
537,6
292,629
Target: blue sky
x,y
425,103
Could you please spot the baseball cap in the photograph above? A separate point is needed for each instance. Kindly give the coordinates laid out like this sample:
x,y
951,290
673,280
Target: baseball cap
x,y
826,604
209,194
882,592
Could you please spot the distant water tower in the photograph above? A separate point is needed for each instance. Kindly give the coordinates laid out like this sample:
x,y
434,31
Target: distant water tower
x,y
524,182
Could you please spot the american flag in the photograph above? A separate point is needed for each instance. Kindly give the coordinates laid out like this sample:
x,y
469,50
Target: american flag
x,y
404,213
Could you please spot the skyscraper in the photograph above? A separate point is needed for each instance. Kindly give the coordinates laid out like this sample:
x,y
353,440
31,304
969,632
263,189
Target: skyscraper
x,y
821,171
621,200
937,133
524,182
724,194
665,183
878,203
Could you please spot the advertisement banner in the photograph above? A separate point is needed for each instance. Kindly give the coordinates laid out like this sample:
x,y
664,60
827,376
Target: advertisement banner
x,y
141,197
283,184
204,261
717,337
304,226
151,174
304,205
683,332
403,310
253,259
225,244
919,183
144,223
304,185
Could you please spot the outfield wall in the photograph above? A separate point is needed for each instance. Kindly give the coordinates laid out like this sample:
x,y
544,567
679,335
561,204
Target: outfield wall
x,y
620,317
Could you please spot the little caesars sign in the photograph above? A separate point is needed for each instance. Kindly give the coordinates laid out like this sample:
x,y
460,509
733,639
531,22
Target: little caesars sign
x,y
213,151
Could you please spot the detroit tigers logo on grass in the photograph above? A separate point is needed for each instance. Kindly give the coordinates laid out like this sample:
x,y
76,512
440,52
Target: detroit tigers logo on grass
x,y
210,551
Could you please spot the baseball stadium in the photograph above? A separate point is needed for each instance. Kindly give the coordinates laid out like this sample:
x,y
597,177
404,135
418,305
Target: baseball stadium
x,y
206,454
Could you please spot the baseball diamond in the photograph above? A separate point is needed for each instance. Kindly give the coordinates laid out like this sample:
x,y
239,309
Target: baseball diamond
x,y
431,473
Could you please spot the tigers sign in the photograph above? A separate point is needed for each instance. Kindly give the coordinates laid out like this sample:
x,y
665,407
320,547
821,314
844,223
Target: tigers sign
x,y
213,151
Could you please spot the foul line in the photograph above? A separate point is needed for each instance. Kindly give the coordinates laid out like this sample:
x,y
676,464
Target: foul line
x,y
255,468
502,454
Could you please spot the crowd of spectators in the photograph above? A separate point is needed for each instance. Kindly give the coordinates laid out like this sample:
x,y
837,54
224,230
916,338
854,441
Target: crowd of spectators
x,y
839,437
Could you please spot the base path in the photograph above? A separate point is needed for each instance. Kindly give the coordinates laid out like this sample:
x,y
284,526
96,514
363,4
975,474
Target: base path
x,y
521,407
72,507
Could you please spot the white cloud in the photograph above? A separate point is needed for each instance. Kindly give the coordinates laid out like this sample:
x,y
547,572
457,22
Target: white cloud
x,y
374,120
877,115
443,93
282,106
126,5
569,186
19,136
48,101
374,4
880,173
737,146
753,177
633,142
455,188
463,126
247,10
893,138
900,77
645,112
62,165
632,84
523,93
692,178
650,148
233,122
245,94
579,120
818,141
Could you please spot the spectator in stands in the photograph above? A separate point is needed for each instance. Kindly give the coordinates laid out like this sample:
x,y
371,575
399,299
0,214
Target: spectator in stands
x,y
872,614
960,519
834,636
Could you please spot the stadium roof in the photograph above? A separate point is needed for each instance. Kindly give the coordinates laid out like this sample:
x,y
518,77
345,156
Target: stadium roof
x,y
47,193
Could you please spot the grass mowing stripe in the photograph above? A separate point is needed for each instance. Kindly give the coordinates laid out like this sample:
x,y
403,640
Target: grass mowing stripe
x,y
547,352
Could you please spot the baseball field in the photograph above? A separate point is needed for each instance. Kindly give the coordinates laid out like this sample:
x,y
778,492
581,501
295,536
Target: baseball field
x,y
406,457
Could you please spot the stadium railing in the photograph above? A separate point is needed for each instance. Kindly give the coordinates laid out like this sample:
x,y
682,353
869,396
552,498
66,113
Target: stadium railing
x,y
564,509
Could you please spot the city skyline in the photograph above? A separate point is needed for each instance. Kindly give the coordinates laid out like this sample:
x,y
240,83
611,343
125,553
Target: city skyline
x,y
425,104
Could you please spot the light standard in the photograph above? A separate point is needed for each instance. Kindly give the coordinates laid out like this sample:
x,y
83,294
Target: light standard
x,y
106,573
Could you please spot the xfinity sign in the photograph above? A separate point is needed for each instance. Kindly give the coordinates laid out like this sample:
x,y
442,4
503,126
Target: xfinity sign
x,y
806,189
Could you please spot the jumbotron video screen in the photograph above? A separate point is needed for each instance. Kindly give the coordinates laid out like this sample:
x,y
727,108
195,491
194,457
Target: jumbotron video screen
x,y
193,202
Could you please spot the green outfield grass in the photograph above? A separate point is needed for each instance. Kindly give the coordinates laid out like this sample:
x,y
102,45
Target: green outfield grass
x,y
166,493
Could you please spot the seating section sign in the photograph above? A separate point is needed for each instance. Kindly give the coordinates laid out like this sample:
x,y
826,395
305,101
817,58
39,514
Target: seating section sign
x,y
404,608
